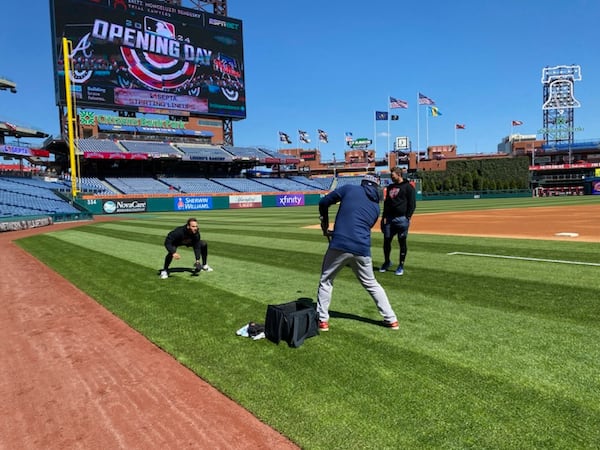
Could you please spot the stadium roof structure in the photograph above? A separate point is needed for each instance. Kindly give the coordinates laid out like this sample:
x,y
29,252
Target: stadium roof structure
x,y
19,131
6,84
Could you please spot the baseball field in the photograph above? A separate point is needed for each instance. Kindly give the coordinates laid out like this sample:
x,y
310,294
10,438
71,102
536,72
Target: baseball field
x,y
497,346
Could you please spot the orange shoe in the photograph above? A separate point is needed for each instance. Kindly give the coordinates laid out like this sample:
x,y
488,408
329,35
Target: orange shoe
x,y
392,325
323,326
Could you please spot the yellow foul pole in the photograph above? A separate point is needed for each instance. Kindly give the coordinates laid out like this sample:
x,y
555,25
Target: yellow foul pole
x,y
67,45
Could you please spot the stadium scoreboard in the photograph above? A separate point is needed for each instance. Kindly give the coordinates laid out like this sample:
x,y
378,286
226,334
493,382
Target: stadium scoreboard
x,y
149,57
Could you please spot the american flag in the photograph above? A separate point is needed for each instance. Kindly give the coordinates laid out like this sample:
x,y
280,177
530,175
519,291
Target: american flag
x,y
424,100
516,123
460,126
397,103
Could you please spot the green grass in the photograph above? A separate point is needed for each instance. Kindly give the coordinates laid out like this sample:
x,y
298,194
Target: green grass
x,y
492,353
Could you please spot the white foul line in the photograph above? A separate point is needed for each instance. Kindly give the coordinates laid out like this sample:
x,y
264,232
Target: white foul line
x,y
560,261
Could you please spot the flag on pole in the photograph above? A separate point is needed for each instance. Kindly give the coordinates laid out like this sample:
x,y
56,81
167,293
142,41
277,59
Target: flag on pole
x,y
303,136
381,115
349,137
516,123
394,117
284,137
11,126
460,126
434,111
397,103
424,100
323,136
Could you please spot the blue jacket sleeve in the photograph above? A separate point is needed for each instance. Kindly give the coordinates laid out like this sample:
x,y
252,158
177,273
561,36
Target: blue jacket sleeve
x,y
330,199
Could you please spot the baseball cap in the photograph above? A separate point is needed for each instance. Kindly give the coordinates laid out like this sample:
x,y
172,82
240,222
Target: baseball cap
x,y
371,179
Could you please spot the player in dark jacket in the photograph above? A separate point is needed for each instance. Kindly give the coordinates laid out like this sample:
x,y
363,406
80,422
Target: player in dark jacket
x,y
398,207
188,235
350,245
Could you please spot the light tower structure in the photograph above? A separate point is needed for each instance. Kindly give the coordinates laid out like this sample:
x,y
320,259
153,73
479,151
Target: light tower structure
x,y
559,103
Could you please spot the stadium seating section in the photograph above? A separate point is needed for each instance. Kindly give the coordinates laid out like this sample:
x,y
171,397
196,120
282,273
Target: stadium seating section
x,y
31,197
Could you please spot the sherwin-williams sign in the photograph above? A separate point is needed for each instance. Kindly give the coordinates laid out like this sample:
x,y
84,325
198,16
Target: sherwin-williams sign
x,y
290,200
192,203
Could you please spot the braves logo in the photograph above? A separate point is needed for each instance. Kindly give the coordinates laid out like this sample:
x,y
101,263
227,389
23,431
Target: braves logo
x,y
77,75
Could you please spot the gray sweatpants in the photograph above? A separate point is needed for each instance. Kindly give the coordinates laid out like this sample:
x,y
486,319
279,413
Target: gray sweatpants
x,y
362,266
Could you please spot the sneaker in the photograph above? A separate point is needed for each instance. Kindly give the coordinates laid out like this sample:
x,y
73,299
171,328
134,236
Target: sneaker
x,y
400,270
385,266
323,326
164,274
207,268
392,325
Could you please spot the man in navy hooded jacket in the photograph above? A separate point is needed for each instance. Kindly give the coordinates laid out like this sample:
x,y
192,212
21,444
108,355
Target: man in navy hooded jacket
x,y
350,245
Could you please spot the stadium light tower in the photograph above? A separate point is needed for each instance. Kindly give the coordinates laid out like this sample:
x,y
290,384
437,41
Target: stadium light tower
x,y
559,103
219,7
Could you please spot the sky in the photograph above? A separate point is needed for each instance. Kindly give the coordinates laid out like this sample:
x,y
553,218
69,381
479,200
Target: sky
x,y
330,65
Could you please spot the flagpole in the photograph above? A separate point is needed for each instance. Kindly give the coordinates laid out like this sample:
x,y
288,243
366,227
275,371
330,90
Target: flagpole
x,y
418,131
427,129
375,130
318,142
388,121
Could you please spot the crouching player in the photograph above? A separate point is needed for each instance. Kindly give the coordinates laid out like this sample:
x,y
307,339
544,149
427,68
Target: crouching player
x,y
188,235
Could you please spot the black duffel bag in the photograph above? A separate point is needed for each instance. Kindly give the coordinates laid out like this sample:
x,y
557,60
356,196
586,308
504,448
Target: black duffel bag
x,y
292,322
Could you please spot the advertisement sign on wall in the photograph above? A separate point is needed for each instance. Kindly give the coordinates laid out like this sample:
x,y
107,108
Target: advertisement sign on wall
x,y
192,203
124,206
245,201
290,200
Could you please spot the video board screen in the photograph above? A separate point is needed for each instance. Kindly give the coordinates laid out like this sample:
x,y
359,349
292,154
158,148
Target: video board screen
x,y
149,56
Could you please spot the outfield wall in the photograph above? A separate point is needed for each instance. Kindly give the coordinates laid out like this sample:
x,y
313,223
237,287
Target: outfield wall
x,y
175,203
120,204
512,193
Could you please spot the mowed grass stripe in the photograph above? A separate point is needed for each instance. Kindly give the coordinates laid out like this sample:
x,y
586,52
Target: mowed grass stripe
x,y
547,299
533,248
220,246
242,267
259,236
